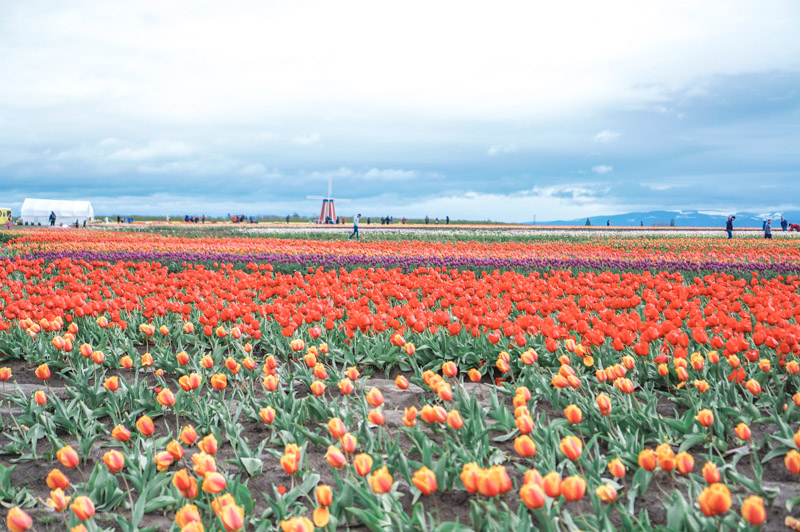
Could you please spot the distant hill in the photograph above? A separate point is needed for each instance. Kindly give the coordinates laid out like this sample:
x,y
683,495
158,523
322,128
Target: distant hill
x,y
682,219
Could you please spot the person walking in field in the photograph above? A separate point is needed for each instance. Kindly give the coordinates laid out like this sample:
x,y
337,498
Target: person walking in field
x,y
784,223
768,230
729,226
52,218
356,219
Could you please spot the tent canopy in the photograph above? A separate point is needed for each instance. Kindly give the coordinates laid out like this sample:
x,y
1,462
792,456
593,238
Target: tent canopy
x,y
37,211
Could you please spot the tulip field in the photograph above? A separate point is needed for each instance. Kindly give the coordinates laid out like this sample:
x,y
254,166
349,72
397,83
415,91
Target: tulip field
x,y
234,380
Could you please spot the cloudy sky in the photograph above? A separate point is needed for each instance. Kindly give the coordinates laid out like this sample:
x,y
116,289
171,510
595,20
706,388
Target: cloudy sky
x,y
500,110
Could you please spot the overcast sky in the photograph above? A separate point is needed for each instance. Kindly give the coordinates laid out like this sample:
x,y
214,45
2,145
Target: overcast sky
x,y
491,110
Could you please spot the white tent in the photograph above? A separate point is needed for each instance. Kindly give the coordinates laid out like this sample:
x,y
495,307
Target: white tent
x,y
37,211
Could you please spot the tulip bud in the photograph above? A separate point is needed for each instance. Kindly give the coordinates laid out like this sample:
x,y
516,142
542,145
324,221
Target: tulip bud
x,y
114,460
17,520
57,480
524,446
616,468
425,480
214,482
573,488
188,435
606,493
68,457
753,510
381,481
363,464
145,426
82,507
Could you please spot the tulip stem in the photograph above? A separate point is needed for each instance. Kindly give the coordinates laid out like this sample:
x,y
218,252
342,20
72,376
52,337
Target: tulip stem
x,y
128,490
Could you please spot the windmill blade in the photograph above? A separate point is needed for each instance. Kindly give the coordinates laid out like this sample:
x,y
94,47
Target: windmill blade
x,y
341,200
316,197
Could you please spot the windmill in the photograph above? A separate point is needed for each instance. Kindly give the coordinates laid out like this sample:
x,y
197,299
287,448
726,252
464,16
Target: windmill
x,y
328,207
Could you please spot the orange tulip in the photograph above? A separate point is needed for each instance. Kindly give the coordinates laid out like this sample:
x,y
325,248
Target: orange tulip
x,y
711,473
40,397
425,480
524,424
449,369
715,500
336,428
57,480
753,510
111,384
145,425
474,375
571,447
83,507
114,460
493,481
232,517
185,483
267,415
753,386
573,488
188,514
381,481
219,381
324,495
188,435
666,457
532,495
684,463
410,417
163,460
208,445
43,372
374,398
290,463
603,404
401,382
376,417
317,388
147,360
648,459
203,464
349,443
297,524
606,493
214,482
792,461
68,457
321,517
362,464
17,520
175,449
524,446
345,386
573,414
454,420
126,362
742,431
165,397
57,500
5,374
335,457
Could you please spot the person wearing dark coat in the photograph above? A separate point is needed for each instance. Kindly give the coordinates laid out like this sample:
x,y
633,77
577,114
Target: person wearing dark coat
x,y
729,226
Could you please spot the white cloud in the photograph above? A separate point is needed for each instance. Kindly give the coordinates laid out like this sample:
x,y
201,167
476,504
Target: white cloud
x,y
496,149
602,169
606,136
305,141
663,186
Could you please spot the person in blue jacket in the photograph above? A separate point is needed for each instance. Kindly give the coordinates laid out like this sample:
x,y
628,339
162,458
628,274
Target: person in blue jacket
x,y
784,223
356,219
729,226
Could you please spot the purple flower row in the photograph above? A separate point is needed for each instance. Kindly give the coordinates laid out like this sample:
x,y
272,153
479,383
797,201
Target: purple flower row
x,y
348,261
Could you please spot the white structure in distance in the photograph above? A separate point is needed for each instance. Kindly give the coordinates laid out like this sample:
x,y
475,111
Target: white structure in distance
x,y
37,211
